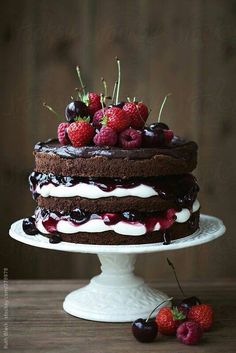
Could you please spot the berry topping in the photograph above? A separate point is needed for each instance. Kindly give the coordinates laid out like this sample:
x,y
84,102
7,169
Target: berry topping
x,y
76,109
168,320
202,314
80,133
117,119
105,137
130,138
189,332
146,330
138,113
168,135
94,103
162,126
62,133
153,138
98,116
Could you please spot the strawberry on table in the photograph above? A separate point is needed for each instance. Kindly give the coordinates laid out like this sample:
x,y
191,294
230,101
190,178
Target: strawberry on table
x,y
202,314
168,320
80,133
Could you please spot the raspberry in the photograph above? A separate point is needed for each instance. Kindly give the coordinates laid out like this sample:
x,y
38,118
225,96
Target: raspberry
x,y
138,113
94,103
80,133
105,137
62,133
130,138
98,117
117,119
189,332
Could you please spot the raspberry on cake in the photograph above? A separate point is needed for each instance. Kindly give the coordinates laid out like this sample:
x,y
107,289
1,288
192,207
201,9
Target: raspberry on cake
x,y
112,179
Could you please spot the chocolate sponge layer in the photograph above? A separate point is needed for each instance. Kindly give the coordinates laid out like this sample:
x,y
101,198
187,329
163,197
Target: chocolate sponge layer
x,y
179,158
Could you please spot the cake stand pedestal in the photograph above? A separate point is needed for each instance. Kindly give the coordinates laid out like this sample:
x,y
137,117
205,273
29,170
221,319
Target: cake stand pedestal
x,y
117,295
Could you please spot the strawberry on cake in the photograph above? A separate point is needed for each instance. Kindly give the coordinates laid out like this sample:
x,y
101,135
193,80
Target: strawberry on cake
x,y
109,178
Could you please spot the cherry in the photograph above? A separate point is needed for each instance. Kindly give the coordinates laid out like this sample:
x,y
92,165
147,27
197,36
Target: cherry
x,y
117,105
155,126
153,138
146,330
76,109
29,226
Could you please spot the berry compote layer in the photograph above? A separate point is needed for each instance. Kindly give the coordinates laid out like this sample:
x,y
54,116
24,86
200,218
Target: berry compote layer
x,y
114,228
178,157
113,194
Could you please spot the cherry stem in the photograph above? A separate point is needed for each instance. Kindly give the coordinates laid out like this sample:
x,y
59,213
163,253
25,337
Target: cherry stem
x,y
175,274
166,300
105,89
80,80
118,81
162,106
102,101
52,110
114,92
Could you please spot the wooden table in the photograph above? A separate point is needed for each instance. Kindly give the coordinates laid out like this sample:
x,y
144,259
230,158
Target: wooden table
x,y
37,323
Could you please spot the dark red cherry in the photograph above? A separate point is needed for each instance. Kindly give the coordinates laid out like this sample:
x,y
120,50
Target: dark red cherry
x,y
29,226
153,138
117,105
76,109
144,331
189,302
162,126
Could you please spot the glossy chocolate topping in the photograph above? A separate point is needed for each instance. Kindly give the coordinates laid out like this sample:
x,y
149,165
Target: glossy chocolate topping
x,y
173,149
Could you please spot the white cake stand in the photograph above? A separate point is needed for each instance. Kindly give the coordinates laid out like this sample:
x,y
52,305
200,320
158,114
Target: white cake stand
x,y
117,295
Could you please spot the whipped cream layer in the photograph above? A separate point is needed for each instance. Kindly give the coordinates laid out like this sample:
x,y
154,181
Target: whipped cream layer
x,y
181,188
48,223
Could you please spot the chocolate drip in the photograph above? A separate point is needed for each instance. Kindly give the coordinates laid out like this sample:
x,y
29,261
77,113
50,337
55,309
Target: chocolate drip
x,y
29,226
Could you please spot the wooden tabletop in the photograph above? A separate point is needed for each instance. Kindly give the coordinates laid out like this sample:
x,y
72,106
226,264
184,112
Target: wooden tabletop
x,y
36,321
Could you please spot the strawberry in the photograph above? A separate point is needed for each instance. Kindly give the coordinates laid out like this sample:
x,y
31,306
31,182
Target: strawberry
x,y
98,117
117,119
80,133
138,113
93,103
168,320
202,314
62,133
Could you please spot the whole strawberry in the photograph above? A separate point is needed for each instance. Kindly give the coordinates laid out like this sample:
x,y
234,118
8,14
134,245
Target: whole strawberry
x,y
168,320
138,113
117,119
93,103
202,314
62,133
105,137
97,118
80,133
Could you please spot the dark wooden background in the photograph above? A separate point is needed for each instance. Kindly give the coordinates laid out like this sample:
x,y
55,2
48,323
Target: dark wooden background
x,y
186,47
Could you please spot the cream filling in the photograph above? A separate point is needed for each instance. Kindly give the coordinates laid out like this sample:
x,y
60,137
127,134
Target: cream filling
x,y
124,228
93,192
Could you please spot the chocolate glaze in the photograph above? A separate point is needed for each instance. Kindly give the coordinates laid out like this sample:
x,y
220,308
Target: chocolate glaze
x,y
67,151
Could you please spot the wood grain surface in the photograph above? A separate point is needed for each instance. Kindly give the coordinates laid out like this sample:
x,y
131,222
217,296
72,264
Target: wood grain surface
x,y
186,47
37,322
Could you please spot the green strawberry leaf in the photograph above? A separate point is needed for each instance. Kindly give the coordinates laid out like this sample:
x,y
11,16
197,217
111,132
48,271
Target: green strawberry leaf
x,y
177,314
85,119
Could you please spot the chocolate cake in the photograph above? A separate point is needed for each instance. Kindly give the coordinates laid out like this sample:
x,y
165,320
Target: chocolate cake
x,y
110,179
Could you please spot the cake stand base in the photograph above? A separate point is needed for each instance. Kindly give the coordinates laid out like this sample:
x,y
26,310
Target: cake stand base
x,y
116,295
